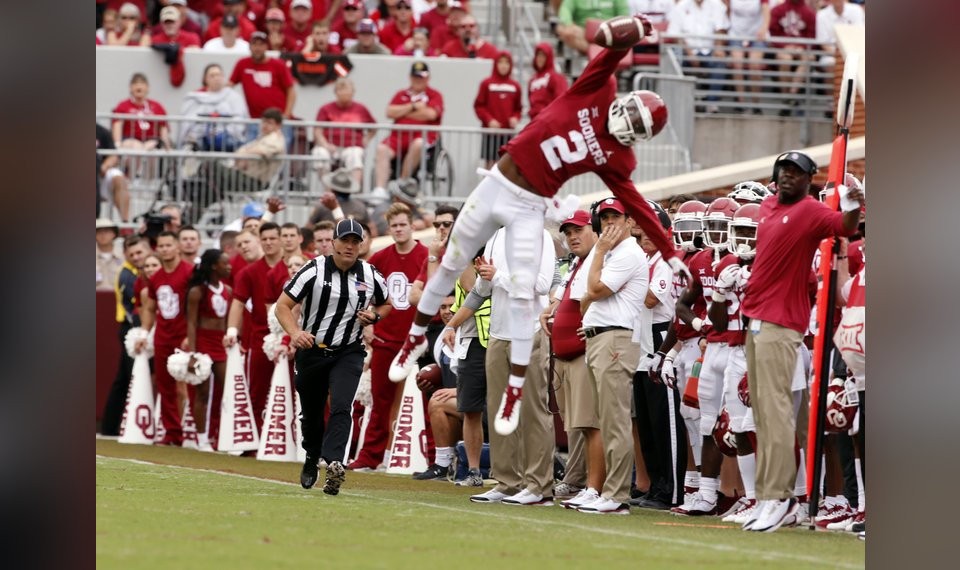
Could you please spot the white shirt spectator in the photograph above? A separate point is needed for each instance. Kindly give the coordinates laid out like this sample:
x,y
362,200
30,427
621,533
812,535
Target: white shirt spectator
x,y
656,9
625,272
698,18
828,17
746,17
216,44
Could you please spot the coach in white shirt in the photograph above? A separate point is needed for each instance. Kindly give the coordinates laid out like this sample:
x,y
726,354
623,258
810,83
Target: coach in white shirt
x,y
616,286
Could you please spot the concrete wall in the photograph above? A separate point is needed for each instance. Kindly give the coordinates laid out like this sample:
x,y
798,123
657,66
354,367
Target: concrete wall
x,y
726,140
377,79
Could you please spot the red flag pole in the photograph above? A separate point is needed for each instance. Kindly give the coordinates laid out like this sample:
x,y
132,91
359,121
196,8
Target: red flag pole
x,y
826,295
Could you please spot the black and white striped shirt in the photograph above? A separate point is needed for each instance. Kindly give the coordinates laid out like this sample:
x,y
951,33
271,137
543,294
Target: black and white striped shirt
x,y
330,299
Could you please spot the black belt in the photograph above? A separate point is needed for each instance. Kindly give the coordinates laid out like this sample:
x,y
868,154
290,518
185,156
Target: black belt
x,y
591,332
332,350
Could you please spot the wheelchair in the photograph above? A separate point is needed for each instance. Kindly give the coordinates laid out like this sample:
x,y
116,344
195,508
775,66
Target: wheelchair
x,y
435,174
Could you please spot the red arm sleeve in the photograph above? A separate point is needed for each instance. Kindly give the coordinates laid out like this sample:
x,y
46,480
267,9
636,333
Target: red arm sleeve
x,y
236,74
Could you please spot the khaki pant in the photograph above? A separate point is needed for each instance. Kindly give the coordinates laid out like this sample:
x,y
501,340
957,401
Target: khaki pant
x,y
523,459
612,359
576,468
771,360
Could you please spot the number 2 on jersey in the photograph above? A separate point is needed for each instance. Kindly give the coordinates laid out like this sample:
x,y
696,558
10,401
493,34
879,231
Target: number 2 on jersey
x,y
557,149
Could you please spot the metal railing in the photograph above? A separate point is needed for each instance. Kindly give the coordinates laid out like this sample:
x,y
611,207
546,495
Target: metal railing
x,y
213,186
730,84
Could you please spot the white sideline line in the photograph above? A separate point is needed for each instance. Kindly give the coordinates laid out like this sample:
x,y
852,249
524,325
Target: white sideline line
x,y
768,555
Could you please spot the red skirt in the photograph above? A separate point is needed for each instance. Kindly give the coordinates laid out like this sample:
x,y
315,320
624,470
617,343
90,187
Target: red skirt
x,y
210,342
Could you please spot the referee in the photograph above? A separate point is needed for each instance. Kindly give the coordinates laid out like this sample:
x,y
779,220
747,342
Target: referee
x,y
335,293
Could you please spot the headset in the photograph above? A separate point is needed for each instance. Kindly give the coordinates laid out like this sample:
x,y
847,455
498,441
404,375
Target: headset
x,y
595,215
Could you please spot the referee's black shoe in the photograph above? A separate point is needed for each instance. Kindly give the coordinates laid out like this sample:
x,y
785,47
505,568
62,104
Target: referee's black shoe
x,y
309,473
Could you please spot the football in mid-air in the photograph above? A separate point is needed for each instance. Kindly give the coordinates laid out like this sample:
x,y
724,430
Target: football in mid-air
x,y
621,32
429,378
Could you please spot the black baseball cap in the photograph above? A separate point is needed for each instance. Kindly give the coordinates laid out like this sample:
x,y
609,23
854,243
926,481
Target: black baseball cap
x,y
229,21
348,227
419,69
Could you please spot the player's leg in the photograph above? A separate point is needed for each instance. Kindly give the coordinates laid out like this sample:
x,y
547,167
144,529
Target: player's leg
x,y
739,425
216,396
475,225
524,244
169,399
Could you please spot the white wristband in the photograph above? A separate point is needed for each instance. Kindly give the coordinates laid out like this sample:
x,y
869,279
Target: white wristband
x,y
672,354
697,323
719,297
267,216
232,331
338,213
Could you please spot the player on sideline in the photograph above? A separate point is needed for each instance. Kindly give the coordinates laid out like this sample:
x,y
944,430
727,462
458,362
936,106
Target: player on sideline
x,y
587,129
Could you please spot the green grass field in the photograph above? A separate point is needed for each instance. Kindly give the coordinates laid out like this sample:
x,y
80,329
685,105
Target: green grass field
x,y
167,508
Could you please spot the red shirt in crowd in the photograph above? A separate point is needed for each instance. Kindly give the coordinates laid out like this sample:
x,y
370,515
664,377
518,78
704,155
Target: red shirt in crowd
x,y
432,98
277,277
788,235
184,38
237,263
399,272
792,18
392,37
543,150
546,84
246,28
500,97
341,35
265,84
137,129
169,290
249,290
352,113
296,39
455,48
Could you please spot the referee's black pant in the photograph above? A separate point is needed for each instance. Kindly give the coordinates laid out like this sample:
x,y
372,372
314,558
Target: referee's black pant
x,y
319,372
663,435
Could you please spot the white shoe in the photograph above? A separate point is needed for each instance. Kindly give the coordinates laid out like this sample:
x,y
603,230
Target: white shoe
x,y
491,496
740,503
799,518
696,506
774,516
406,360
526,498
585,496
508,415
605,506
744,505
758,512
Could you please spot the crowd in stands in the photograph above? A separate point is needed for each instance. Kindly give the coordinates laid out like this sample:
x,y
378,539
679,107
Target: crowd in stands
x,y
165,259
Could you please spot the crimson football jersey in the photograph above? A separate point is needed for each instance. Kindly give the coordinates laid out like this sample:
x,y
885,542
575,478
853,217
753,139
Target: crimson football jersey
x,y
569,138
735,335
249,288
701,267
169,290
399,271
682,329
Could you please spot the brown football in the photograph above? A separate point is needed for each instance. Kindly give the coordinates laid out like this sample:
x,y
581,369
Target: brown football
x,y
429,378
621,32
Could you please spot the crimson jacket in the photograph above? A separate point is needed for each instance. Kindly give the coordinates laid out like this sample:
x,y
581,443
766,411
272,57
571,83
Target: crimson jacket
x,y
546,84
499,97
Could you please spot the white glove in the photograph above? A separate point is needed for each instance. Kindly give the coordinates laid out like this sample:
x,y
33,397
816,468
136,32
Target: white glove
x,y
679,266
744,277
846,204
697,323
727,279
654,363
668,373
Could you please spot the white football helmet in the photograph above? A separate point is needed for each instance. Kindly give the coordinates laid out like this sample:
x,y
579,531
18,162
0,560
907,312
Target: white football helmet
x,y
742,231
688,225
637,116
749,192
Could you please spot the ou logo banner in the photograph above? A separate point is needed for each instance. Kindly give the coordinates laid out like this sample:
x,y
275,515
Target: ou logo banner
x,y
143,418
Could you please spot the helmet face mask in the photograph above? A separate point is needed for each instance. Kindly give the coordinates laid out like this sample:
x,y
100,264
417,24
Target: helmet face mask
x,y
637,116
743,231
749,192
716,221
688,226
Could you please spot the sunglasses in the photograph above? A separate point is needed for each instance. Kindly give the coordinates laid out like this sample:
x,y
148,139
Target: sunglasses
x,y
351,8
438,225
